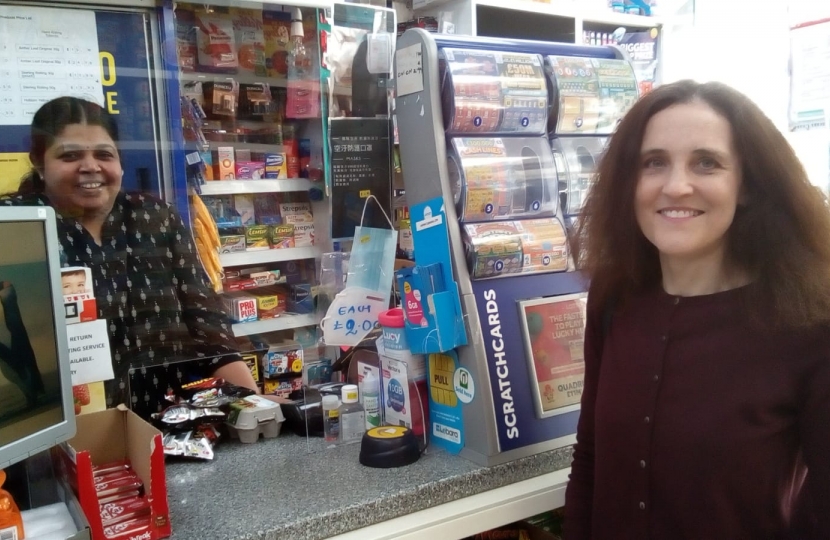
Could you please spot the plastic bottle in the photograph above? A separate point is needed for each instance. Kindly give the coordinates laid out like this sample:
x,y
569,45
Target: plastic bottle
x,y
10,517
352,417
331,419
371,400
303,92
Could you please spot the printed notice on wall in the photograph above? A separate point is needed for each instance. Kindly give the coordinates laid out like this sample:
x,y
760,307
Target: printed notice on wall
x,y
89,352
46,53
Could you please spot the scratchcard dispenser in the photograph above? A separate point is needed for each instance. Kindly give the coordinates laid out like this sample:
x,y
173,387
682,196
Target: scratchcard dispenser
x,y
589,96
474,117
493,92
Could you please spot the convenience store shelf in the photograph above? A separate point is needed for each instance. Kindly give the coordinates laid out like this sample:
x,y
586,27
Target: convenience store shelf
x,y
238,187
283,322
241,78
253,147
265,256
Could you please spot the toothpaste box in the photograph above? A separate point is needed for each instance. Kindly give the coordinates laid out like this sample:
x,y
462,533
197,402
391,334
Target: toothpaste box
x,y
241,307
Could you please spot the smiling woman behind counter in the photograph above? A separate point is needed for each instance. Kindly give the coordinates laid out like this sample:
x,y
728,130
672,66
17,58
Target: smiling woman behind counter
x,y
148,282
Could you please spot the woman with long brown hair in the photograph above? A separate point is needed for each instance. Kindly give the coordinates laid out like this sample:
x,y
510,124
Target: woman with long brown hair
x,y
706,409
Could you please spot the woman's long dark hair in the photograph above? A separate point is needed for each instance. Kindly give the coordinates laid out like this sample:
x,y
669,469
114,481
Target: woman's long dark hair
x,y
50,121
781,237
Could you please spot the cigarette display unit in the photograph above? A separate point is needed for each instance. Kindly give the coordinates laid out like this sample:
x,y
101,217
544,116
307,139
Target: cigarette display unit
x,y
474,118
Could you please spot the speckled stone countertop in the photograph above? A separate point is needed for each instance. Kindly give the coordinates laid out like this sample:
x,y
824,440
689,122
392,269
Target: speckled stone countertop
x,y
291,489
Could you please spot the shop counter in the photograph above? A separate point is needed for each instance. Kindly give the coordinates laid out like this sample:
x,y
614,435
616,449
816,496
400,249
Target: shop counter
x,y
292,489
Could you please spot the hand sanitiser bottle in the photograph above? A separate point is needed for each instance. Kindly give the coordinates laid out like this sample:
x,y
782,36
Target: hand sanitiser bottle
x,y
371,400
352,418
331,419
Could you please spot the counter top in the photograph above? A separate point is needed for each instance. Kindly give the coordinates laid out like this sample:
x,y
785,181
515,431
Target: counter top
x,y
290,488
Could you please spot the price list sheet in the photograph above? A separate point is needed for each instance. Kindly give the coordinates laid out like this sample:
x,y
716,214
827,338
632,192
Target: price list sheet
x,y
46,53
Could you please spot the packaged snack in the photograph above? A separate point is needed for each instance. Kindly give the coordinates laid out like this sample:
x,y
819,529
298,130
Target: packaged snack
x,y
119,496
114,466
128,529
250,40
215,42
282,388
124,510
197,443
256,237
126,481
276,30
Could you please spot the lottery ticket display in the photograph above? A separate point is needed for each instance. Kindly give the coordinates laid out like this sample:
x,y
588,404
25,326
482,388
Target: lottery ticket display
x,y
590,95
502,178
529,246
490,93
576,159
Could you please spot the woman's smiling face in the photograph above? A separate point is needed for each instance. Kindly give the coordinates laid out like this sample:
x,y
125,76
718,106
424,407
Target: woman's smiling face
x,y
82,171
689,184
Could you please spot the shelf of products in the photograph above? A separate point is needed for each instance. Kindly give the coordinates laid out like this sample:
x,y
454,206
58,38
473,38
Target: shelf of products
x,y
251,147
283,322
241,78
266,256
235,187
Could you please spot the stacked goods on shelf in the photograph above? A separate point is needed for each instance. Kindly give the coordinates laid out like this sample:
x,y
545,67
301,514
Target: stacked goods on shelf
x,y
248,222
287,359
501,168
261,293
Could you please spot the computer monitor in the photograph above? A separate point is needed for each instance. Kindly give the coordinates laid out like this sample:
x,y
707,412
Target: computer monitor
x,y
36,407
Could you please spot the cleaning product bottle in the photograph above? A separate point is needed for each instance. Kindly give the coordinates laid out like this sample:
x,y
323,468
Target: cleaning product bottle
x,y
352,417
10,520
331,419
371,400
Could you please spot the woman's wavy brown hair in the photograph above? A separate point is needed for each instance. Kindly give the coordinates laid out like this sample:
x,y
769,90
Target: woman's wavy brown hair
x,y
780,237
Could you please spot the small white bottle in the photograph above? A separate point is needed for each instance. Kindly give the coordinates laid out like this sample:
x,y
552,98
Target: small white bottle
x,y
371,400
352,417
331,419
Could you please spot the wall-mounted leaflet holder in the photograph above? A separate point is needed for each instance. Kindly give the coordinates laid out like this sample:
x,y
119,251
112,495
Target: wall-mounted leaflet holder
x,y
489,93
502,178
589,95
432,308
576,160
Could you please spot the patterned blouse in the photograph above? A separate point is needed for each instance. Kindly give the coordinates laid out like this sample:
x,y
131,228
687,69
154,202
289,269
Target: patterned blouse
x,y
152,290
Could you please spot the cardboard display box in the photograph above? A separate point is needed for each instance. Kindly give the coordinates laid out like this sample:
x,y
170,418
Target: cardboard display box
x,y
113,435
